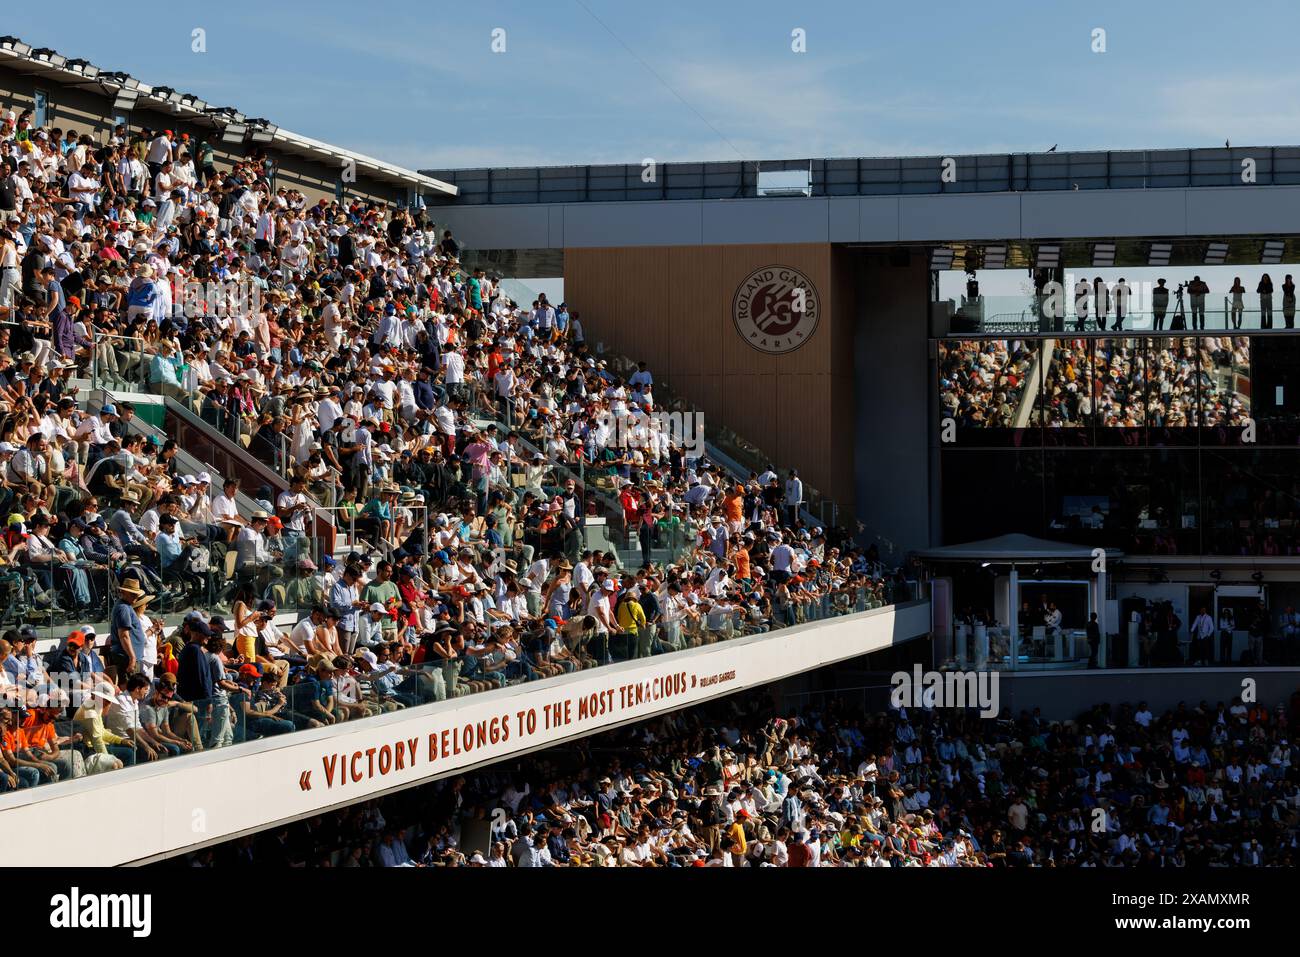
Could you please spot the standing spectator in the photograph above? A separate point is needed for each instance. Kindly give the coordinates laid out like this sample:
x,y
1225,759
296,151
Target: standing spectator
x,y
1198,289
128,645
1238,306
793,496
1265,290
1159,304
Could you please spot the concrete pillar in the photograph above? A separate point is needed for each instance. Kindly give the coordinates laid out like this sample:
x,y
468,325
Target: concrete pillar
x,y
891,303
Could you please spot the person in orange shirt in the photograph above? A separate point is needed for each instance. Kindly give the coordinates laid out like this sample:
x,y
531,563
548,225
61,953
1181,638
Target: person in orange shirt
x,y
741,557
733,509
43,744
15,770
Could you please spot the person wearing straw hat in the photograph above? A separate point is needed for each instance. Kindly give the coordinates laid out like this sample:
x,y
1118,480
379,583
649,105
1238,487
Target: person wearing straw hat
x,y
128,636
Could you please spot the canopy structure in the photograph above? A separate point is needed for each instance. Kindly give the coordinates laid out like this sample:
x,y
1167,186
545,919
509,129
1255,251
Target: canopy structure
x,y
1014,549
1016,554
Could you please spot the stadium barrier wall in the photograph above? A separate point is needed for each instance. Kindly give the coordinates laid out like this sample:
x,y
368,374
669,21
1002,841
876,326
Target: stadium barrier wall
x,y
158,810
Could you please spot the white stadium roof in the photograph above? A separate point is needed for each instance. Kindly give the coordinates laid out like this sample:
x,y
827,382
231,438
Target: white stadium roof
x,y
81,74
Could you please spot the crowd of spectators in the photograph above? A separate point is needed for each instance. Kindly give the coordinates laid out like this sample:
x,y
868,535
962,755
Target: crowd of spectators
x,y
1158,383
748,783
981,381
462,440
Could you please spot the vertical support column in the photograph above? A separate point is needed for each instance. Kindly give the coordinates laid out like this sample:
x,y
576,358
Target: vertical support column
x,y
1103,647
1013,623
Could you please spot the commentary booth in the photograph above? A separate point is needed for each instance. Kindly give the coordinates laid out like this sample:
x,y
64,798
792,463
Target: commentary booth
x,y
1017,603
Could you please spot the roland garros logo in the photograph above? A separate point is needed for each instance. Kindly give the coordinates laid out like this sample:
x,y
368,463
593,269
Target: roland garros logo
x,y
776,309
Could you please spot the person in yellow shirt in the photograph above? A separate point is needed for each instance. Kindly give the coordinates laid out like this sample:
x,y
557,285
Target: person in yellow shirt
x,y
739,844
90,719
631,619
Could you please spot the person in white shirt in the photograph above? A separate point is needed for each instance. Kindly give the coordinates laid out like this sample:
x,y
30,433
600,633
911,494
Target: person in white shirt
x,y
160,150
793,496
225,511
250,542
453,370
294,507
598,607
305,631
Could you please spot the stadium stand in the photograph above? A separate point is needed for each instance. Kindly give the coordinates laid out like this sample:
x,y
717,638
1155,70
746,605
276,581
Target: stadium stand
x,y
744,783
466,497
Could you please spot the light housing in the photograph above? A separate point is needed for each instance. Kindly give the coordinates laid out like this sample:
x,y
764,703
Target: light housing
x,y
1272,252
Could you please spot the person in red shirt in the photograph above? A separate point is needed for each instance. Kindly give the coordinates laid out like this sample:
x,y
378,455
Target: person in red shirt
x,y
631,503
797,852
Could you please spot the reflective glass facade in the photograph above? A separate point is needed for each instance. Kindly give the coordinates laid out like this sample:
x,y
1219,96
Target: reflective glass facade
x,y
1157,445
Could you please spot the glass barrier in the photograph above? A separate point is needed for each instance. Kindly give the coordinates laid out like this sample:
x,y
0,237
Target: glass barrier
x,y
73,713
1029,314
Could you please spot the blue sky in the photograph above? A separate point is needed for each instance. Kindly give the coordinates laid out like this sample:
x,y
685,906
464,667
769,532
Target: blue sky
x,y
417,83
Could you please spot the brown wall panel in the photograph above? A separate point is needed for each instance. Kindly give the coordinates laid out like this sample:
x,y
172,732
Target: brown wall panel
x,y
672,307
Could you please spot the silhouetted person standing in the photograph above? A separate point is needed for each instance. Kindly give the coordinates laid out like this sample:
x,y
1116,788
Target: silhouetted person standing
x,y
1081,290
1159,303
1288,302
1198,290
1265,290
1102,295
1120,295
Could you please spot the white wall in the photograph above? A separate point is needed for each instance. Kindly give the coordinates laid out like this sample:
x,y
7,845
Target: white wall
x,y
157,810
1036,214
